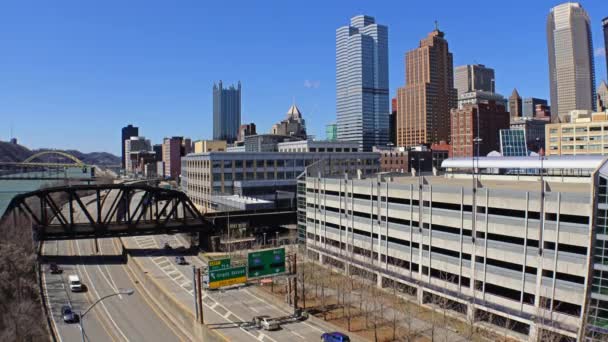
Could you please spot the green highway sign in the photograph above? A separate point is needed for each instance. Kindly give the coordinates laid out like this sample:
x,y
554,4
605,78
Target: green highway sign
x,y
267,262
227,277
220,264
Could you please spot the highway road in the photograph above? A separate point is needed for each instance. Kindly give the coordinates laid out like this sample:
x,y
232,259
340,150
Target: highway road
x,y
118,318
134,318
226,310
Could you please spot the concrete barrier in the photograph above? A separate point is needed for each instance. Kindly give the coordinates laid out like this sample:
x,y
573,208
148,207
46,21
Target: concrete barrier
x,y
180,315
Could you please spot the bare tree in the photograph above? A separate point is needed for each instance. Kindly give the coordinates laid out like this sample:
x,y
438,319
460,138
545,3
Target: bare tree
x,y
21,309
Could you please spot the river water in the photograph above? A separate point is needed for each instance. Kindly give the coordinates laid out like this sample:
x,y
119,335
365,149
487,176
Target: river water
x,y
11,187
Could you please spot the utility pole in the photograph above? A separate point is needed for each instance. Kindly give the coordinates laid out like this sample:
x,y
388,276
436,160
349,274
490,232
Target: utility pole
x,y
295,280
196,285
200,295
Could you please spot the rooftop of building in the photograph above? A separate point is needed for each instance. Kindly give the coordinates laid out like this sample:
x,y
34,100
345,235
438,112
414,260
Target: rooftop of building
x,y
587,162
240,199
502,182
236,155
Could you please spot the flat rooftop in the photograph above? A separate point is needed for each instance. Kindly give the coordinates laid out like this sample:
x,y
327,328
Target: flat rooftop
x,y
239,199
505,182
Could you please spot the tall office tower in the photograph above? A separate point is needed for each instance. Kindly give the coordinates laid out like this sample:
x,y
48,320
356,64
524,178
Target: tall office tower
x,y
362,102
158,151
392,123
127,132
473,77
602,97
529,106
515,104
571,70
226,112
605,26
172,153
423,105
133,146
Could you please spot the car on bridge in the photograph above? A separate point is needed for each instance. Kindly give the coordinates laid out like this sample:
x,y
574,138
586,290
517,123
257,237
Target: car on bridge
x,y
334,337
68,314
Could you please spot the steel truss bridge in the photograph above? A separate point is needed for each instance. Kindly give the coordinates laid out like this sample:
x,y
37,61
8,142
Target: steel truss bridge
x,y
32,169
115,210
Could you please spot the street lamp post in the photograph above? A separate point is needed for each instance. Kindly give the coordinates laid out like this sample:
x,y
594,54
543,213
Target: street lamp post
x,y
542,194
420,200
127,292
264,238
476,142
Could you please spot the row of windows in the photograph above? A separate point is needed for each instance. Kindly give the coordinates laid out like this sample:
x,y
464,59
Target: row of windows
x,y
534,215
466,256
515,295
547,245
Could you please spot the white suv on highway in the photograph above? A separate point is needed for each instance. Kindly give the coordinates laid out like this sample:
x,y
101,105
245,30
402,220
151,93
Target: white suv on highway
x,y
75,284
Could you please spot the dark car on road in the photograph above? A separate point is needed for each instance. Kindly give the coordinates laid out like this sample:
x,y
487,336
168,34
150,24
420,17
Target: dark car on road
x,y
180,260
334,337
55,269
68,315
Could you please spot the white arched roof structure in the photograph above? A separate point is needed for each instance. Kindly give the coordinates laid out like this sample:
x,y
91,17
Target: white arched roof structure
x,y
558,162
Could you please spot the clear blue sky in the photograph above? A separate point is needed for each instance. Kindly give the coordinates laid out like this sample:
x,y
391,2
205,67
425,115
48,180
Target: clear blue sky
x,y
72,73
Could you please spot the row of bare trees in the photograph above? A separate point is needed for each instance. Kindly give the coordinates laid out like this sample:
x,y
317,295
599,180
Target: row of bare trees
x,y
392,313
21,310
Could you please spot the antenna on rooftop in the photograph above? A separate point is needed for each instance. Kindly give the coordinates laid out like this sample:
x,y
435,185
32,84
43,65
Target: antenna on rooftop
x,y
436,25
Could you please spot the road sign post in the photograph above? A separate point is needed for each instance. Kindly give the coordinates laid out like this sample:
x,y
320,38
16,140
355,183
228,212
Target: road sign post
x,y
227,277
220,264
269,262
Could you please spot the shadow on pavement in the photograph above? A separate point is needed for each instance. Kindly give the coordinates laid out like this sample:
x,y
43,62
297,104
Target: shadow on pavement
x,y
143,252
84,259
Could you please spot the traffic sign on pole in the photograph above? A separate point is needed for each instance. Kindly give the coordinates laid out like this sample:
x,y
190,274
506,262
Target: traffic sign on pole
x,y
267,262
227,277
220,264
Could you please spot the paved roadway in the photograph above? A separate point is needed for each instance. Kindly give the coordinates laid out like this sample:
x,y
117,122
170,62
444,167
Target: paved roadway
x,y
118,318
132,318
227,311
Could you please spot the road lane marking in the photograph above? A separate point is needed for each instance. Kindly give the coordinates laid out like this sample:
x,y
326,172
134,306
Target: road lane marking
x,y
207,305
48,301
111,280
280,309
295,333
97,293
164,317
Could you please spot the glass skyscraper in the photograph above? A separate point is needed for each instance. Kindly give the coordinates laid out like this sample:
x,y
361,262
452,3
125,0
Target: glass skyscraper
x,y
571,70
226,112
362,100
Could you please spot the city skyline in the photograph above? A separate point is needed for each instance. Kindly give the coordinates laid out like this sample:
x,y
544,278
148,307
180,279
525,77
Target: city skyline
x,y
138,83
